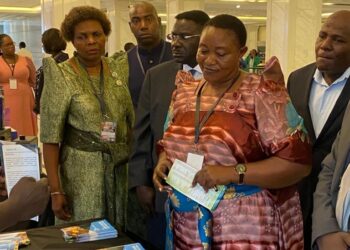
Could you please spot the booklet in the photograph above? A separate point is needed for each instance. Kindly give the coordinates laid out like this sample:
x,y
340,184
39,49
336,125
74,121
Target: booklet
x,y
133,246
20,160
181,176
97,230
12,241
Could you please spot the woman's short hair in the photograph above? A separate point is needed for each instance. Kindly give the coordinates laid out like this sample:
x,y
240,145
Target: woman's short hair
x,y
2,36
81,14
232,23
53,41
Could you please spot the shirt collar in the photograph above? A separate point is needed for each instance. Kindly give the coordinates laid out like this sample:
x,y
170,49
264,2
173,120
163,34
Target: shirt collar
x,y
187,68
152,51
318,77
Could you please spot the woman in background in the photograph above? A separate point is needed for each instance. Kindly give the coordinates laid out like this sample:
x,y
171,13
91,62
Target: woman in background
x,y
252,60
253,143
53,44
17,78
86,119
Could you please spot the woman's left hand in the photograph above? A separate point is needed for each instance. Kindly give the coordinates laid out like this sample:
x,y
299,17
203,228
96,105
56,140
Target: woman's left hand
x,y
211,175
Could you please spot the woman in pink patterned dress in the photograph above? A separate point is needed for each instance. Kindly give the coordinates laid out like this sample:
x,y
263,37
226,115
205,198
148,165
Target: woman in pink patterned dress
x,y
17,78
253,142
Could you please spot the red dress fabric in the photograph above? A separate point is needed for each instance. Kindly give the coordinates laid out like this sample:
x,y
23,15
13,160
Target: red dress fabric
x,y
251,124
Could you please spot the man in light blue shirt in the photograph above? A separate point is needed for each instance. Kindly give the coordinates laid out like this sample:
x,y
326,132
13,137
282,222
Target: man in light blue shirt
x,y
320,92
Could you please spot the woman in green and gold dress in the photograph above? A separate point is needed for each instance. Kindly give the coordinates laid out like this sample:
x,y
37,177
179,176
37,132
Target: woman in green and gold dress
x,y
86,119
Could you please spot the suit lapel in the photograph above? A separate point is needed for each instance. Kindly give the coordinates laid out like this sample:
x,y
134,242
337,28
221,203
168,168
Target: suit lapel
x,y
343,153
305,99
339,107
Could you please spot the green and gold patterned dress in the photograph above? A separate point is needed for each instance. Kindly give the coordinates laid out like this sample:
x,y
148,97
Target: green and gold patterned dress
x,y
93,174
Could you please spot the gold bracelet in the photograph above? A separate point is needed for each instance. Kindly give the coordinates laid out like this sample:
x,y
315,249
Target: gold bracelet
x,y
57,193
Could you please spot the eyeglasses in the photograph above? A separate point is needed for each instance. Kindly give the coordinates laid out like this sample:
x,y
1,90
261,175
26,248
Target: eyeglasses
x,y
174,37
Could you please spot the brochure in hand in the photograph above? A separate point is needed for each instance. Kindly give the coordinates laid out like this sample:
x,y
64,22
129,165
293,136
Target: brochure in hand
x,y
12,241
97,230
181,176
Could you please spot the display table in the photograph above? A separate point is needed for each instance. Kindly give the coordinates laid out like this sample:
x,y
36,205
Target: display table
x,y
51,238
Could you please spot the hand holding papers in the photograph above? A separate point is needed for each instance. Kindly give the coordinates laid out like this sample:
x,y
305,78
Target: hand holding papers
x,y
181,176
19,161
23,161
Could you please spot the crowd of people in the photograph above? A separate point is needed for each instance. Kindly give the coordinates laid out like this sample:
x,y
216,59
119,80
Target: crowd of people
x,y
112,127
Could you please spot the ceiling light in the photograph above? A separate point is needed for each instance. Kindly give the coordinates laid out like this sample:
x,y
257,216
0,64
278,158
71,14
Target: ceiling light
x,y
326,14
32,10
257,18
241,1
238,6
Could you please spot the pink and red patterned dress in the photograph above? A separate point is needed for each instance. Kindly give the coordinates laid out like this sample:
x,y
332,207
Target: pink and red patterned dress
x,y
253,123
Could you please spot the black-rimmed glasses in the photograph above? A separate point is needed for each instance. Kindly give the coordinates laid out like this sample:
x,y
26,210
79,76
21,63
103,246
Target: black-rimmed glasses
x,y
174,37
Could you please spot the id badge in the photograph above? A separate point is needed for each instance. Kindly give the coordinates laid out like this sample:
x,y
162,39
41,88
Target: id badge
x,y
195,159
13,83
108,129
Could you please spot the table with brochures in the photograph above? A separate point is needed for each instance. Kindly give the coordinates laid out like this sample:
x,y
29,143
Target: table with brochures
x,y
52,238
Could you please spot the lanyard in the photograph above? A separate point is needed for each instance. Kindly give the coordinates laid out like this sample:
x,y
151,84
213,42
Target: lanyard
x,y
198,125
98,94
11,67
140,62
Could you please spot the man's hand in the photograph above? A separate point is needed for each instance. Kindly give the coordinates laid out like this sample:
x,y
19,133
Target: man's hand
x,y
29,197
145,196
338,240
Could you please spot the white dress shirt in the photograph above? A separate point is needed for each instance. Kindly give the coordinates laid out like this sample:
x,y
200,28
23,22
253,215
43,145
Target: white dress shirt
x,y
198,72
323,98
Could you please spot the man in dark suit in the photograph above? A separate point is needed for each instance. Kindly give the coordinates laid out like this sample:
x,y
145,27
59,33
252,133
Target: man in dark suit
x,y
320,92
326,231
151,49
151,114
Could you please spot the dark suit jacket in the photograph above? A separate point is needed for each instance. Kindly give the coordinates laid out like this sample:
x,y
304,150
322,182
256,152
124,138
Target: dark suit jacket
x,y
325,197
136,75
150,117
299,87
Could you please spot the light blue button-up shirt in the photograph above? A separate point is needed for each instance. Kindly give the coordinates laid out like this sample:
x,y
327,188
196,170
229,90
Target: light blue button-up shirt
x,y
198,72
323,98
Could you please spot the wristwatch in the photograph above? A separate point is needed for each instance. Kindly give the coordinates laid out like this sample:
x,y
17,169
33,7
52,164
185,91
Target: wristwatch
x,y
240,169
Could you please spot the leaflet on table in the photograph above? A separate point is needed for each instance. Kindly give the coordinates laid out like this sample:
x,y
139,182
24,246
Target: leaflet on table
x,y
11,241
181,176
8,245
97,230
19,161
133,246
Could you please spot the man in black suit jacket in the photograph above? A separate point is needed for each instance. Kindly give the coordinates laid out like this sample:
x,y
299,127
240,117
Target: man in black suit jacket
x,y
320,92
151,114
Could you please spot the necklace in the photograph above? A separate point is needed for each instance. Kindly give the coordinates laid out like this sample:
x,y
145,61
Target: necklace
x,y
198,124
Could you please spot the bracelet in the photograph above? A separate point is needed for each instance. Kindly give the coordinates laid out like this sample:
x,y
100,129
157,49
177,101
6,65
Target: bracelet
x,y
57,193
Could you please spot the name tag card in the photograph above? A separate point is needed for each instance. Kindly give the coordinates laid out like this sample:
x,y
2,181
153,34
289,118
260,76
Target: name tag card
x,y
13,83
